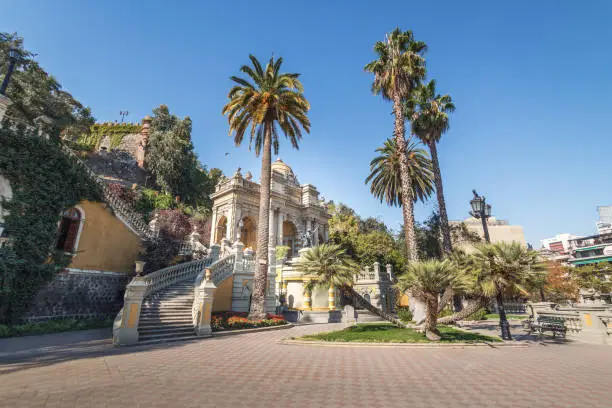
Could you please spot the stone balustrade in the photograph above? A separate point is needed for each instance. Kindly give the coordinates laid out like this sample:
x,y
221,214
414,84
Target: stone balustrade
x,y
590,323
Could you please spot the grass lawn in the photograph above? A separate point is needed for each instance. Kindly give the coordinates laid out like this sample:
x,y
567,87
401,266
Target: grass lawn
x,y
388,333
495,316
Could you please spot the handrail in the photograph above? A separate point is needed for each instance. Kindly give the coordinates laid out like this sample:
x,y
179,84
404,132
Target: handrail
x,y
127,214
165,277
370,307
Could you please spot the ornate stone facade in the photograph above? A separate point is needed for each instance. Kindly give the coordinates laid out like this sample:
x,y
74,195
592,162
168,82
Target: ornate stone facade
x,y
294,210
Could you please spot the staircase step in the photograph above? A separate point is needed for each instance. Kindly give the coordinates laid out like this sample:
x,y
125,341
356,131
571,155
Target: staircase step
x,y
172,325
156,336
167,339
161,330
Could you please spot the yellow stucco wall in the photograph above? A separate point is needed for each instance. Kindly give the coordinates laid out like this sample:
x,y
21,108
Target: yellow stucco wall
x,y
223,296
105,243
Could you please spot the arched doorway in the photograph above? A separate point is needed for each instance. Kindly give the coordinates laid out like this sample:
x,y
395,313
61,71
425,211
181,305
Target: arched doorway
x,y
69,230
248,233
289,237
221,230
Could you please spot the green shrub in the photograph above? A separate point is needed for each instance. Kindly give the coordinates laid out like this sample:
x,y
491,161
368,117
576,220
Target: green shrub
x,y
4,331
404,314
447,311
480,314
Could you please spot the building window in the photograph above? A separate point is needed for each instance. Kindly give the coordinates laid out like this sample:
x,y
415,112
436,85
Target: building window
x,y
69,230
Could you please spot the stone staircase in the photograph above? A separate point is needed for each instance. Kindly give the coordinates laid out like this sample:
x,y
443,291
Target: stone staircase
x,y
166,315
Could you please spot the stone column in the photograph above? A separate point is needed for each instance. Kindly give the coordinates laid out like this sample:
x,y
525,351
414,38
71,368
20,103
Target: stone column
x,y
237,218
213,228
271,227
229,226
390,272
377,271
142,146
5,102
307,299
331,297
279,232
206,295
214,252
125,328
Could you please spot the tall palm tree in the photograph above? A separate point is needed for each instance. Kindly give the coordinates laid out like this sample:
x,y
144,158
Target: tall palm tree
x,y
428,112
327,265
501,269
425,280
385,174
398,69
266,102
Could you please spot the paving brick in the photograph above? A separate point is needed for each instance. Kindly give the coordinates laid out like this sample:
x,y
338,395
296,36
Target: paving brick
x,y
255,370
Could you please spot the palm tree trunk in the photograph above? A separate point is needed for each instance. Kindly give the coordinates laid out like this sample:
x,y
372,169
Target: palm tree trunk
x,y
257,310
406,194
447,244
446,297
467,311
503,321
431,317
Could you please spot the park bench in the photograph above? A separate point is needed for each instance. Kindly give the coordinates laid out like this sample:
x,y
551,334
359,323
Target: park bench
x,y
553,324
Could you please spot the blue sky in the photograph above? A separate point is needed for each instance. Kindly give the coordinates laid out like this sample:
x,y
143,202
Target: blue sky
x,y
530,81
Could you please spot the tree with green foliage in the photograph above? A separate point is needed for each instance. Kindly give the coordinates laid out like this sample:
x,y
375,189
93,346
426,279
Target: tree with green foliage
x,y
266,102
397,70
425,280
428,112
327,265
34,93
385,174
502,269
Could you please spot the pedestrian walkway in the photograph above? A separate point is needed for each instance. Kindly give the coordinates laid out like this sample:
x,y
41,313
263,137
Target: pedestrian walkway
x,y
254,370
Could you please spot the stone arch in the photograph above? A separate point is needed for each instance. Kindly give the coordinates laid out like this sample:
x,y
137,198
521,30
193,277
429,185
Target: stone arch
x,y
221,230
248,233
290,237
69,229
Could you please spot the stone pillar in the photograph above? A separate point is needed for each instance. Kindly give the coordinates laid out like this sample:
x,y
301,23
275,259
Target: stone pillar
x,y
377,271
214,252
279,232
271,227
125,330
331,297
142,147
390,272
213,228
5,102
307,299
237,218
206,295
229,226
238,250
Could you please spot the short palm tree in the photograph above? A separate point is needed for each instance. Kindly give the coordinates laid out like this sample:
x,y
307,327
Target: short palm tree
x,y
327,265
501,269
397,70
428,112
425,280
385,179
265,103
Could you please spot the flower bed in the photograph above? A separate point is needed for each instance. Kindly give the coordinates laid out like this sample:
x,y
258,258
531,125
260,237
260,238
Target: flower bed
x,y
238,320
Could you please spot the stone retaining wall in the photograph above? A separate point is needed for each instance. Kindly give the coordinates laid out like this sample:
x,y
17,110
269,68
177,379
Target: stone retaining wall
x,y
79,294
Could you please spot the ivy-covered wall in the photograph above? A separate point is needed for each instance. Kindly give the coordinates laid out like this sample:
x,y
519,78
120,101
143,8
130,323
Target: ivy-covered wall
x,y
44,182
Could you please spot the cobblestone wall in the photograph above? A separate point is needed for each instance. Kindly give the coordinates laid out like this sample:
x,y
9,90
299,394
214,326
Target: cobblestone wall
x,y
79,294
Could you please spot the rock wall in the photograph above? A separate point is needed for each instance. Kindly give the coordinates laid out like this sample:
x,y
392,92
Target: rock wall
x,y
79,294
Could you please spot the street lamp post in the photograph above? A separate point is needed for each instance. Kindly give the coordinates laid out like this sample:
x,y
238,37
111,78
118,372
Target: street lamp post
x,y
482,210
13,57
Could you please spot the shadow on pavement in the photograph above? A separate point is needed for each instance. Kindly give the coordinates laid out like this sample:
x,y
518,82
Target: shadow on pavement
x,y
75,346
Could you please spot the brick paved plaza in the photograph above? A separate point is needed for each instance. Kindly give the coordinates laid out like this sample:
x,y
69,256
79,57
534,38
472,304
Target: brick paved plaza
x,y
255,370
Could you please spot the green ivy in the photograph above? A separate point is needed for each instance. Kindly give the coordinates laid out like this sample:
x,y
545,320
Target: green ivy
x,y
45,182
116,131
